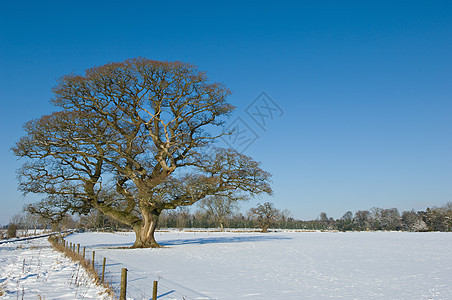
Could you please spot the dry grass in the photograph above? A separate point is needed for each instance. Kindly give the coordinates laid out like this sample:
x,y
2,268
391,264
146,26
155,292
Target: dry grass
x,y
85,263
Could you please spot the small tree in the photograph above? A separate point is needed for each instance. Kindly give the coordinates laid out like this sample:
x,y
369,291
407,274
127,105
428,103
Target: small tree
x,y
390,219
323,217
12,230
286,218
345,223
53,209
362,220
220,207
266,214
182,218
412,221
437,219
31,221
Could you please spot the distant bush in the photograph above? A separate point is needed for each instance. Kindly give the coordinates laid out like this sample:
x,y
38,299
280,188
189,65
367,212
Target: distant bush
x,y
12,230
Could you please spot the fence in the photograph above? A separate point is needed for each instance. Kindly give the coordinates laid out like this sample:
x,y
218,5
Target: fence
x,y
121,282
31,237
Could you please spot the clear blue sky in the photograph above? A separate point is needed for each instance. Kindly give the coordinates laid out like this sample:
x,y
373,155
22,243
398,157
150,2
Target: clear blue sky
x,y
365,87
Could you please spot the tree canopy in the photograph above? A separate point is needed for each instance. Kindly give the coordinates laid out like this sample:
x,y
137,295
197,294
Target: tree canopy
x,y
132,139
266,214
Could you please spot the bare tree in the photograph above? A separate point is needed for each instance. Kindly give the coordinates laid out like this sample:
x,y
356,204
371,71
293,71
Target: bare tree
x,y
285,218
362,219
390,219
90,220
18,219
53,208
323,217
182,218
345,222
438,218
130,140
376,219
220,207
266,214
412,221
31,221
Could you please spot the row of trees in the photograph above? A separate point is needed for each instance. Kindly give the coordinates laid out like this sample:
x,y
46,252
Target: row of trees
x,y
266,215
214,212
26,223
217,212
432,219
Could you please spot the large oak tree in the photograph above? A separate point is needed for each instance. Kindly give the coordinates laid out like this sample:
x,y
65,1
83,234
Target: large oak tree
x,y
132,139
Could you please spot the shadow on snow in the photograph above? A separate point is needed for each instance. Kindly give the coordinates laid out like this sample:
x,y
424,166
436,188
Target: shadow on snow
x,y
221,240
200,241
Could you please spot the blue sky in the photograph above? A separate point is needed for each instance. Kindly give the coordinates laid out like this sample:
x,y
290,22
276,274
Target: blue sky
x,y
364,87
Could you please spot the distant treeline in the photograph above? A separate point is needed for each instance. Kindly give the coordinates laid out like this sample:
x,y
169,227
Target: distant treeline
x,y
432,219
435,219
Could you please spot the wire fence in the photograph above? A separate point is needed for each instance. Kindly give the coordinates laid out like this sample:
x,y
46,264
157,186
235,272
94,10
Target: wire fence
x,y
32,237
139,283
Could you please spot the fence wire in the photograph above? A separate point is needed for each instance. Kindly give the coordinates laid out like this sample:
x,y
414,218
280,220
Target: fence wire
x,y
140,283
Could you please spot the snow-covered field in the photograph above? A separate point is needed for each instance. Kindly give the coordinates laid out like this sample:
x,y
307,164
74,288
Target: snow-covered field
x,y
32,270
282,265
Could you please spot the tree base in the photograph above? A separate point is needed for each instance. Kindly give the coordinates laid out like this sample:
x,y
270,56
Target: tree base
x,y
152,245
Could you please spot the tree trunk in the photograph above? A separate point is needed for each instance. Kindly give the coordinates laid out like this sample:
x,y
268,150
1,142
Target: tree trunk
x,y
264,228
144,231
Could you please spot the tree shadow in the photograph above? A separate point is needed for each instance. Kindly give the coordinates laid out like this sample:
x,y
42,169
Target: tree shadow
x,y
221,240
110,246
200,241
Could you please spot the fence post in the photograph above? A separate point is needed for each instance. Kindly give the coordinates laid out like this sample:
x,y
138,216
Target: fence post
x,y
103,269
70,247
84,252
93,258
154,291
122,294
78,249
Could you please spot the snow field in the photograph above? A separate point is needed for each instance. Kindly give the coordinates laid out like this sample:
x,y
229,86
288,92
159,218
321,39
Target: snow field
x,y
282,265
33,270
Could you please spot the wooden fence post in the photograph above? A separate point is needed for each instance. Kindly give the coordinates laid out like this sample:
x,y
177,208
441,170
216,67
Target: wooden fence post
x,y
84,252
70,247
154,291
93,258
122,294
78,249
103,269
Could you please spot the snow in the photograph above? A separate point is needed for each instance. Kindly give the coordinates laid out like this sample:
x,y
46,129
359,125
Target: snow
x,y
280,265
33,270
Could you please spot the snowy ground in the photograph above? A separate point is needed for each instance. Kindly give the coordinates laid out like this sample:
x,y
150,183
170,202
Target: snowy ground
x,y
282,265
32,270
